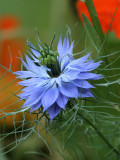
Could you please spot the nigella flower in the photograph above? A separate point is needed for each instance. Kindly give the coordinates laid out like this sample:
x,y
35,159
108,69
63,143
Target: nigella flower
x,y
51,78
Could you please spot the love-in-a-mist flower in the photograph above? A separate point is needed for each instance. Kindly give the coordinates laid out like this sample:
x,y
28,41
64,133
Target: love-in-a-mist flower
x,y
51,78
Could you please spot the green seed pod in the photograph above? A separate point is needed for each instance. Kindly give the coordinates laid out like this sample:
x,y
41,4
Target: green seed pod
x,y
45,61
45,54
40,57
48,57
51,53
56,53
48,61
53,60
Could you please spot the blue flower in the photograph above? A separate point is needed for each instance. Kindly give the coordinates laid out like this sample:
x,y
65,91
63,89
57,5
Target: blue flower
x,y
51,78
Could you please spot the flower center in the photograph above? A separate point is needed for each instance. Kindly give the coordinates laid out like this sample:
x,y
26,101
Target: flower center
x,y
49,59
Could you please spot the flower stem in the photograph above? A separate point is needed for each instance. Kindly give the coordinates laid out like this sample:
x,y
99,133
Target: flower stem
x,y
100,134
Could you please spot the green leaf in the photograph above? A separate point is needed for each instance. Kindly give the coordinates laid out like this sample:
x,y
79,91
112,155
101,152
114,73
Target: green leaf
x,y
94,18
92,34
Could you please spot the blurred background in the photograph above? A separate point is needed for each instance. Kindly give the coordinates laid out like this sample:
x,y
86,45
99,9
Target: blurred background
x,y
18,21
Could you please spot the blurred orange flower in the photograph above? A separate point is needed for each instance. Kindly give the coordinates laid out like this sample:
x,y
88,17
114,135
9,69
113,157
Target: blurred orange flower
x,y
105,10
8,23
9,26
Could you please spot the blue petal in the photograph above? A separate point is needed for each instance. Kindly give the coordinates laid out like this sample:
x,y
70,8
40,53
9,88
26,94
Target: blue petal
x,y
59,47
29,89
25,65
36,53
58,81
69,51
85,93
50,97
66,43
23,95
83,84
33,67
91,76
43,73
40,71
43,82
53,111
64,49
78,61
35,106
65,61
34,97
65,78
89,66
25,74
69,89
27,92
62,101
35,59
32,81
69,75
39,46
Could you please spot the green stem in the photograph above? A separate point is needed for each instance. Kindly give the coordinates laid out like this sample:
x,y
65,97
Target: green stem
x,y
100,134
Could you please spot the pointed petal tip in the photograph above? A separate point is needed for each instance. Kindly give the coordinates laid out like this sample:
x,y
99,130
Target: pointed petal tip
x,y
53,111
